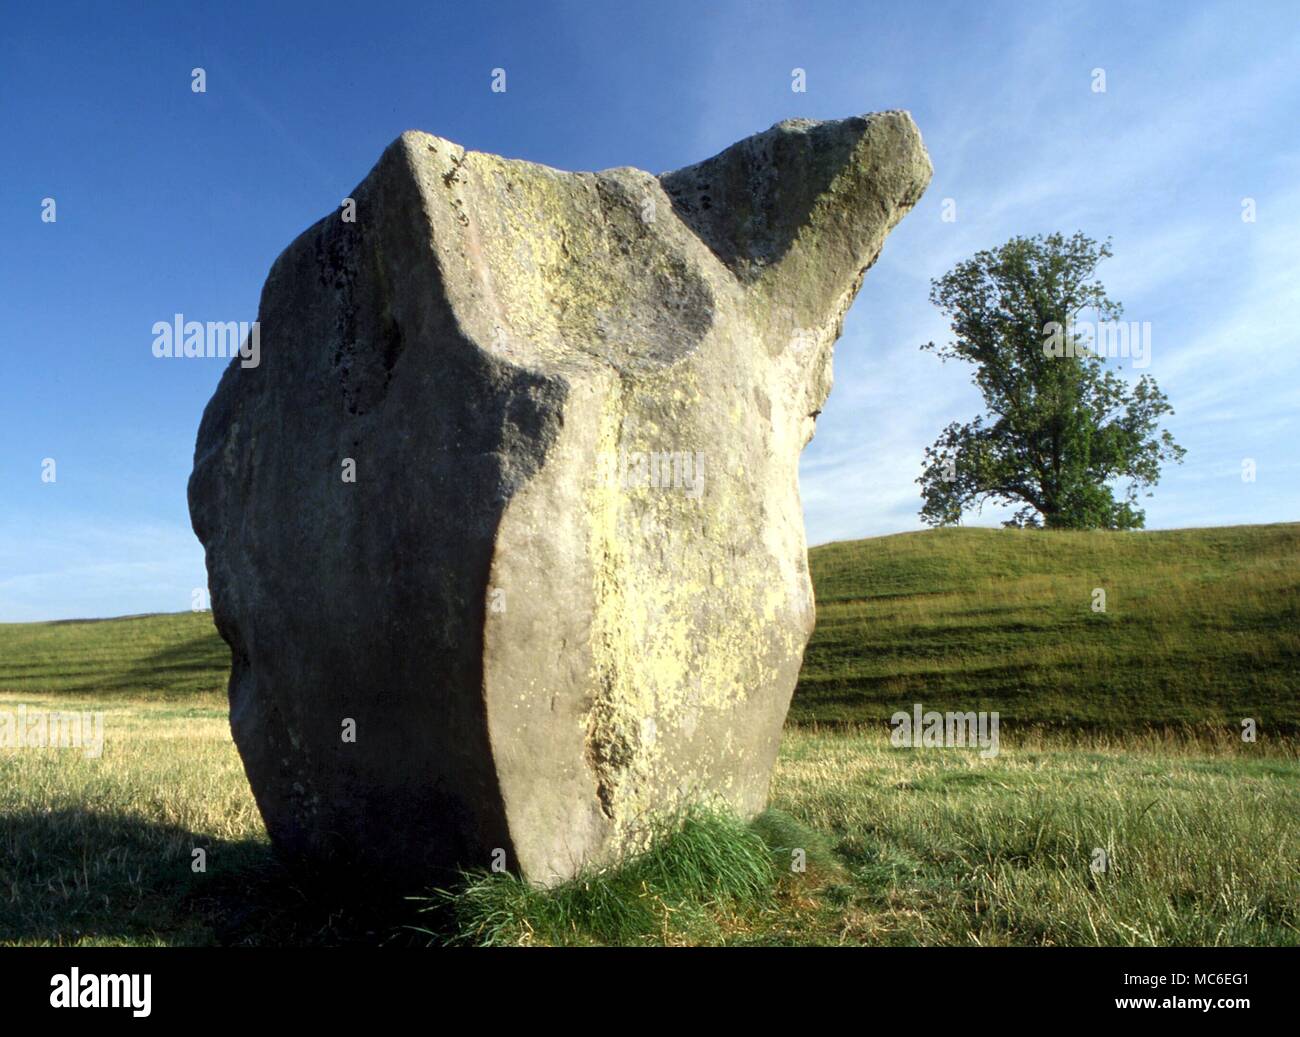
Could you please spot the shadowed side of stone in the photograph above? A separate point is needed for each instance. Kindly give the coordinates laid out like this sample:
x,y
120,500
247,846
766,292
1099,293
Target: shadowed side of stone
x,y
504,531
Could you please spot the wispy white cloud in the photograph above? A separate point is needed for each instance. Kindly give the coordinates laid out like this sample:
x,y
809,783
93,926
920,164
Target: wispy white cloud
x,y
1018,157
86,568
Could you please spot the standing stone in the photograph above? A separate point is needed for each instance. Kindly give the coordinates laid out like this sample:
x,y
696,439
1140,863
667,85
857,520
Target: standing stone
x,y
504,530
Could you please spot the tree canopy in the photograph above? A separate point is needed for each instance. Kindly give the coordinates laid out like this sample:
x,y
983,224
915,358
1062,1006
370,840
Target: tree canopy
x,y
1061,426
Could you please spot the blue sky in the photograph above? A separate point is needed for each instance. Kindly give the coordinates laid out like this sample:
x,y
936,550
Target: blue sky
x,y
170,201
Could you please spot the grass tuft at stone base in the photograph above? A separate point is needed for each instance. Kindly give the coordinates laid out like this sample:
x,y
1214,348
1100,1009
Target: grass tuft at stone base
x,y
704,875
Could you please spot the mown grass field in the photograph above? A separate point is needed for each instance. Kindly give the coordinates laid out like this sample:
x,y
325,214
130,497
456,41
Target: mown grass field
x,y
1202,626
1120,733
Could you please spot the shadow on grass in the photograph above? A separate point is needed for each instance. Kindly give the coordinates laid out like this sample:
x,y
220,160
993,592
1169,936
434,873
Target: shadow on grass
x,y
206,656
180,670
75,875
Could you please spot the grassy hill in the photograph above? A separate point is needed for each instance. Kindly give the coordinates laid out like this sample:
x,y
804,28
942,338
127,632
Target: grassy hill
x,y
170,656
1202,626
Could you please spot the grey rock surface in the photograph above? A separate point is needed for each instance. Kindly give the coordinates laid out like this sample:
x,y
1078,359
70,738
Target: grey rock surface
x,y
504,530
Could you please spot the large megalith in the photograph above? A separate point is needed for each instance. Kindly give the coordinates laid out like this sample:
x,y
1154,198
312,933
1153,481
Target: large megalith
x,y
504,529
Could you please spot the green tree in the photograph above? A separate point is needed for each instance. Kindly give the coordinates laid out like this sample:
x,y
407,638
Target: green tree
x,y
1061,426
